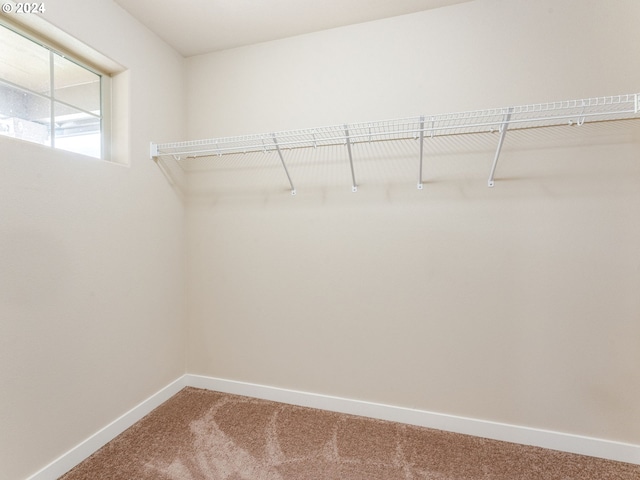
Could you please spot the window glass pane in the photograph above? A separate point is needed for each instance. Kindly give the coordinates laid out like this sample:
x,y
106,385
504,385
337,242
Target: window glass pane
x,y
76,85
31,77
24,115
24,62
77,131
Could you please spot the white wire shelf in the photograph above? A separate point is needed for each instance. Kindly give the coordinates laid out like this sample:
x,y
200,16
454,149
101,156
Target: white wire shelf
x,y
568,112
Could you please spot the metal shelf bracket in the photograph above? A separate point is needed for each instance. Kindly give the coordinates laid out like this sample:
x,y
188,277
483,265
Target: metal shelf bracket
x,y
582,117
503,132
286,170
354,185
420,186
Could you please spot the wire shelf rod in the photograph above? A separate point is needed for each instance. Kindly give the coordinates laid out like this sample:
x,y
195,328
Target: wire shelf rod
x,y
162,149
543,107
410,130
541,115
169,149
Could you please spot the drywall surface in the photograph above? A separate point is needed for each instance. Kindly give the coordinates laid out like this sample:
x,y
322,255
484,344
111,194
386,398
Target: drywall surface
x,y
516,304
481,54
92,259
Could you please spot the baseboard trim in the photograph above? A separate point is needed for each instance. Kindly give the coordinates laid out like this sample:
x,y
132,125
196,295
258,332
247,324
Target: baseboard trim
x,y
73,457
594,447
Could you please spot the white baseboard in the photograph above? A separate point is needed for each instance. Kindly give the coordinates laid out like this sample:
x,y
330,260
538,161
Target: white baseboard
x,y
73,457
594,447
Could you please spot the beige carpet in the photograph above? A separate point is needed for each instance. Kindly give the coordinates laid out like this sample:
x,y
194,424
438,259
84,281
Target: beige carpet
x,y
203,435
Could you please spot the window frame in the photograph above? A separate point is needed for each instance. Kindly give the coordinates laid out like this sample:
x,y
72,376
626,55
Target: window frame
x,y
105,88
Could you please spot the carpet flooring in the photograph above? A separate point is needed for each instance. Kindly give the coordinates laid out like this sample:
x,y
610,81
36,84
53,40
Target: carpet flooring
x,y
204,435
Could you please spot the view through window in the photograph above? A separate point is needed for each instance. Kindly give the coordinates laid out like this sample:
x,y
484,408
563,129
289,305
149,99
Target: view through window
x,y
48,98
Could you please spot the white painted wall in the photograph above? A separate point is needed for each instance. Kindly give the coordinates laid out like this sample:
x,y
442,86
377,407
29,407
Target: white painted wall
x,y
516,304
92,259
481,54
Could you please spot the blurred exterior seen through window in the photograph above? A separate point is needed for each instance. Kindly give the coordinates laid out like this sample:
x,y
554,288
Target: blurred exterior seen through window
x,y
48,98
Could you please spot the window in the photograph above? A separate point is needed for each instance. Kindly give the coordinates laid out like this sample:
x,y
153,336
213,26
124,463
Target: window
x,y
47,97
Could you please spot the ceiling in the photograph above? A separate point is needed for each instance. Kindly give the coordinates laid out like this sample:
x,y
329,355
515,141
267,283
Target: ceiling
x,y
194,27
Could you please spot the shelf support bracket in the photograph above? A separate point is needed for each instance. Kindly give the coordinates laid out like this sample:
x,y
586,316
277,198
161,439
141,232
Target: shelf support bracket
x,y
275,141
503,132
354,186
421,151
582,117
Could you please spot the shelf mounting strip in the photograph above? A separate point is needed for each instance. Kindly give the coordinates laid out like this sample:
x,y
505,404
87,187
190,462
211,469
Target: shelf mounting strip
x,y
568,112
